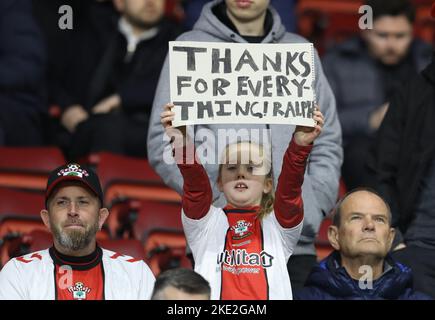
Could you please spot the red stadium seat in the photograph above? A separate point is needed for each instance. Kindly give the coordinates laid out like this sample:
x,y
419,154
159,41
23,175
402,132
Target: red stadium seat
x,y
38,240
135,218
166,250
19,212
326,22
174,10
123,214
342,189
28,167
157,215
126,177
323,247
16,203
129,247
425,24
17,245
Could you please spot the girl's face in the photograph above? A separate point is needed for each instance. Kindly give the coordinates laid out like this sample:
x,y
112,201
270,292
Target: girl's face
x,y
243,177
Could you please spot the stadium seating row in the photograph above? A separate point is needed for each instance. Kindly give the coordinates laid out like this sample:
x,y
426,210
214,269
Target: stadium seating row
x,y
144,218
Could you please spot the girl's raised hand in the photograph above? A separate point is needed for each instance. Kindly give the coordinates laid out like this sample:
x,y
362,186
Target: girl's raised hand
x,y
177,135
305,136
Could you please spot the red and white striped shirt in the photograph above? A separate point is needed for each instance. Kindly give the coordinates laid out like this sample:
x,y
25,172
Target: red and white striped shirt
x,y
49,275
241,256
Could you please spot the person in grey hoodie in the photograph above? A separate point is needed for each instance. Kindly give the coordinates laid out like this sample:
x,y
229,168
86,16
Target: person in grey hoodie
x,y
255,21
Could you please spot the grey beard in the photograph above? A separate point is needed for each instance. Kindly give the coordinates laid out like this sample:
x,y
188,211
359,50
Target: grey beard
x,y
75,240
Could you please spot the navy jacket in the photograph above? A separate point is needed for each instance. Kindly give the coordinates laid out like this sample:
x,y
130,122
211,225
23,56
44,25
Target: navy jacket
x,y
329,281
22,58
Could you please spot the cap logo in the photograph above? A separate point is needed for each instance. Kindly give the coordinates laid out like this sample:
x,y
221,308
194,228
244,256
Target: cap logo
x,y
73,170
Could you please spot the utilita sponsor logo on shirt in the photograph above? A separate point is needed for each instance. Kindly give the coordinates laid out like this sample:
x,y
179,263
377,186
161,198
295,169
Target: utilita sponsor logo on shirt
x,y
241,257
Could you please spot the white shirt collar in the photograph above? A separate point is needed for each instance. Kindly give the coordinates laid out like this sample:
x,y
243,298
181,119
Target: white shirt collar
x,y
132,40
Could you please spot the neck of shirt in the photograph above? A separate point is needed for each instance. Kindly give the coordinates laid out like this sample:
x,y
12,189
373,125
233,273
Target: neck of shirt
x,y
220,11
132,39
79,263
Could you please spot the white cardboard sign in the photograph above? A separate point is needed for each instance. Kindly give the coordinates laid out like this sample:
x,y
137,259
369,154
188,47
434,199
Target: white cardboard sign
x,y
242,83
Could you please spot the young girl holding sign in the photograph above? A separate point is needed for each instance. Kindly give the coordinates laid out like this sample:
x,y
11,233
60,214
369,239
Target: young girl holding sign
x,y
243,248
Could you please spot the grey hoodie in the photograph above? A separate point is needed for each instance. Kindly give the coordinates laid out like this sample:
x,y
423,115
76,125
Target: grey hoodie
x,y
320,186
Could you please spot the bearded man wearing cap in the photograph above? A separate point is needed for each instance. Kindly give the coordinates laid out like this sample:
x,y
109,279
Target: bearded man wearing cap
x,y
75,267
403,164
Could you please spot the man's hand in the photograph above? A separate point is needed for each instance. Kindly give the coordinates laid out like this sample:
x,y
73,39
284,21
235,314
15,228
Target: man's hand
x,y
305,136
108,104
377,116
72,116
177,135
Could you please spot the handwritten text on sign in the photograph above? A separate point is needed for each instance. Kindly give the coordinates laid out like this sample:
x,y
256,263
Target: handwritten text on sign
x,y
242,83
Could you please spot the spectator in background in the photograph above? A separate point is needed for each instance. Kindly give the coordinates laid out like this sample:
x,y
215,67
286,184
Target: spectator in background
x,y
403,166
75,267
258,22
360,268
181,284
22,67
112,79
64,44
365,71
286,9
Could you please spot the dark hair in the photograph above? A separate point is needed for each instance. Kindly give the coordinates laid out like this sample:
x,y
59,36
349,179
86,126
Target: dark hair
x,y
336,218
182,279
392,8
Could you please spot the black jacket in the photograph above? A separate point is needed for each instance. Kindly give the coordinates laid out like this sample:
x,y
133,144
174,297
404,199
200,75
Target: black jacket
x,y
98,68
405,146
22,58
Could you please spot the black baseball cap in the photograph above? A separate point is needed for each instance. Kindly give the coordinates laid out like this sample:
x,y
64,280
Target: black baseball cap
x,y
74,172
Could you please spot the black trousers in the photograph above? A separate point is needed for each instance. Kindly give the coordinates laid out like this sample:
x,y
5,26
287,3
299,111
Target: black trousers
x,y
299,267
20,127
422,263
114,132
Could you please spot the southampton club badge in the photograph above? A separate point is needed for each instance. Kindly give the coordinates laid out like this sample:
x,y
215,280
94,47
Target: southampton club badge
x,y
73,170
79,291
241,229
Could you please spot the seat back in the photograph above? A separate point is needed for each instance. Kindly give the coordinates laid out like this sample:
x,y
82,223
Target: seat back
x,y
127,177
157,215
323,247
129,247
17,203
166,250
28,167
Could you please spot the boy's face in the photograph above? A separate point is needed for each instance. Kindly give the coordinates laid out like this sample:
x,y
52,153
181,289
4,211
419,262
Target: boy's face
x,y
245,11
